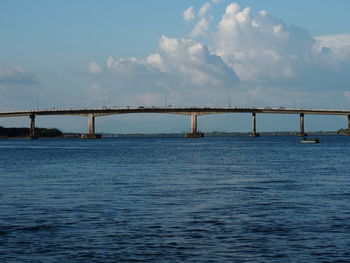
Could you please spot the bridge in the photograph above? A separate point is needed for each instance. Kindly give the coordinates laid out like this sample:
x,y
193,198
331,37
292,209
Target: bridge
x,y
92,113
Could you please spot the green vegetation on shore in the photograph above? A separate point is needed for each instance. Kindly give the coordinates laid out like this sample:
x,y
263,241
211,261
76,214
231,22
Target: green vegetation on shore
x,y
343,131
53,132
24,132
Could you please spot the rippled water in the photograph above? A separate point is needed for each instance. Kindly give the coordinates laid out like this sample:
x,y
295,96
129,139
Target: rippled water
x,y
215,199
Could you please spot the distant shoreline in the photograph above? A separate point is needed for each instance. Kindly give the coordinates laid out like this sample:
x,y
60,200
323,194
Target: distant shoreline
x,y
18,133
219,134
24,132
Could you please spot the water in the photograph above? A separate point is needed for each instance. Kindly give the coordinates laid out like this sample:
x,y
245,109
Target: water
x,y
215,199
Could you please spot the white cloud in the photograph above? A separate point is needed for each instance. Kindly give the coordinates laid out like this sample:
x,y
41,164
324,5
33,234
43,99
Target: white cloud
x,y
193,61
334,41
10,75
253,54
130,67
182,69
204,9
333,50
189,14
94,68
261,48
232,9
156,61
200,28
179,61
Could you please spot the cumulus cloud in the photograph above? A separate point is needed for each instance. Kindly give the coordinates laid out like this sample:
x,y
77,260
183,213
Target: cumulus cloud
x,y
182,69
333,41
254,54
193,61
180,59
204,9
127,66
94,68
156,61
264,49
259,47
10,75
333,50
200,28
189,14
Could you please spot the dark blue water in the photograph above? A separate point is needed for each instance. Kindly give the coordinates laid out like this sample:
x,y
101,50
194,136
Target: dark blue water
x,y
216,199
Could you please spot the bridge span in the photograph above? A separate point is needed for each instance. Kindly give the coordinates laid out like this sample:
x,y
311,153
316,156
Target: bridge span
x,y
92,113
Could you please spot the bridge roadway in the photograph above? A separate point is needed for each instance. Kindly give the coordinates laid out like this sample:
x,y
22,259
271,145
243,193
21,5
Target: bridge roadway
x,y
91,113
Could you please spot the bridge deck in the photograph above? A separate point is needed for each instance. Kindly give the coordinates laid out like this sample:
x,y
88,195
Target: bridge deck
x,y
171,110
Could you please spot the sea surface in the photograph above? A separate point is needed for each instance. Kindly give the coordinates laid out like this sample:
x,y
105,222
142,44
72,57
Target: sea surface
x,y
214,199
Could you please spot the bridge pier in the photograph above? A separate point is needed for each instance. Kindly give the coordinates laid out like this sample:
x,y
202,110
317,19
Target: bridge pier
x,y
348,131
254,133
302,126
91,124
194,123
32,134
194,132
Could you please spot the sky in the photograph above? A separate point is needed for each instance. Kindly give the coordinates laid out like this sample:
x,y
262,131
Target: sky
x,y
257,53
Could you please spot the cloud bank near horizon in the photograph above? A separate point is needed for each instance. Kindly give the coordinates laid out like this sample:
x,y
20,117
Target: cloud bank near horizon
x,y
12,76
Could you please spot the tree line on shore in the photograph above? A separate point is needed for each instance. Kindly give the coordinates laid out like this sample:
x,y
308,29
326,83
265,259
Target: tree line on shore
x,y
343,131
53,132
24,132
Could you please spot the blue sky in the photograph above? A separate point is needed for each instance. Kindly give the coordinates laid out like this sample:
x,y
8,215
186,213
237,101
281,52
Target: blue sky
x,y
102,28
92,53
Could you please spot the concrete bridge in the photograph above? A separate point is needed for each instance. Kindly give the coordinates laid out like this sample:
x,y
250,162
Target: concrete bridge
x,y
91,114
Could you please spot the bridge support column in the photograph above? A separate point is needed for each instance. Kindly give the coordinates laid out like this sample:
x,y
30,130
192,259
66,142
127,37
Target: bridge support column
x,y
32,134
91,134
302,126
348,131
194,123
92,125
254,133
194,132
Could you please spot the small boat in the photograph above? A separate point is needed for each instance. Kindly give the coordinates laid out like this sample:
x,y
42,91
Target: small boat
x,y
314,140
